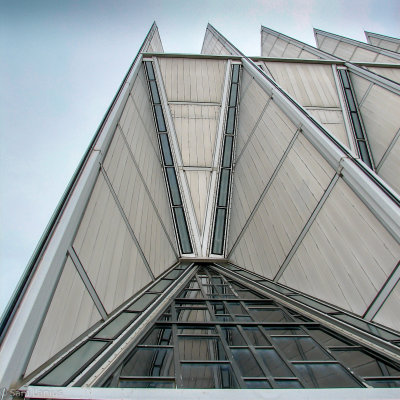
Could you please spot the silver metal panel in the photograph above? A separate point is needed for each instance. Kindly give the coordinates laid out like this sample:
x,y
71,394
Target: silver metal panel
x,y
285,210
196,129
211,45
346,256
195,80
390,73
390,168
385,59
363,55
344,50
107,250
72,311
388,314
382,41
257,163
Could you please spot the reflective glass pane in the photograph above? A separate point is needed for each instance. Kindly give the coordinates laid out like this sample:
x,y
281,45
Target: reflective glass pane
x,y
143,302
193,284
173,187
150,361
116,325
161,286
326,338
246,362
201,348
248,294
161,336
227,157
255,337
191,294
350,101
174,274
300,348
230,123
219,308
209,330
275,287
269,315
384,383
233,95
160,118
154,92
63,372
357,126
153,384
236,308
166,150
247,274
274,363
257,384
232,336
324,376
235,73
218,241
223,188
365,365
284,331
313,303
288,384
150,71
343,74
364,152
182,230
208,376
193,315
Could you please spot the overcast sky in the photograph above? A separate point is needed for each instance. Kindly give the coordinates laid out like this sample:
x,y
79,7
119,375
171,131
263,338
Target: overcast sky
x,y
61,62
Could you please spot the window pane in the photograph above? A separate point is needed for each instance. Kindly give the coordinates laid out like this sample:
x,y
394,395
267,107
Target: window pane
x,y
236,308
166,150
257,384
230,124
142,303
269,315
173,186
235,73
227,157
357,126
197,331
233,94
350,101
201,348
191,294
136,383
324,376
313,303
161,286
246,362
154,92
274,363
182,230
255,337
160,118
174,274
343,74
223,188
284,331
326,338
208,376
288,384
218,241
150,72
116,325
232,336
384,383
364,153
158,336
300,348
72,364
150,361
193,315
275,287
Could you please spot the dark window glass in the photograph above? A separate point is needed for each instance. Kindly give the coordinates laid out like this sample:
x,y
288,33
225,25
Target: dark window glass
x,y
232,336
235,73
325,376
384,383
275,287
208,376
191,294
173,186
173,274
357,126
209,330
300,348
142,303
182,230
255,337
246,362
150,71
159,336
200,348
193,315
274,363
284,331
343,74
63,372
364,152
151,384
326,338
161,286
233,95
223,188
166,149
269,315
230,123
219,231
350,101
227,157
219,308
160,118
154,92
150,361
313,303
257,384
247,274
113,328
248,294
288,384
236,308
363,364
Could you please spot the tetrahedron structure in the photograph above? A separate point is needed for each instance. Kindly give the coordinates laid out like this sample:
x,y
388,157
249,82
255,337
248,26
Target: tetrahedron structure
x,y
234,224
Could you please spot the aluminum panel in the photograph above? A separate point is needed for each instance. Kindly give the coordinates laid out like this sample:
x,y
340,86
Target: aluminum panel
x,y
390,73
363,55
388,314
390,168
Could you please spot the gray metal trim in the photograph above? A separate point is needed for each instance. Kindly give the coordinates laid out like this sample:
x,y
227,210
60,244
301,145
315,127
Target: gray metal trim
x,y
264,192
386,153
88,284
128,225
306,227
383,294
382,37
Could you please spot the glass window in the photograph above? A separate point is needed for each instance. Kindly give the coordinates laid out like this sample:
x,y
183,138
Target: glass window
x,y
201,348
384,383
274,363
219,231
208,330
143,302
255,337
161,336
227,157
288,384
193,315
150,71
357,126
343,74
269,315
362,146
326,338
257,384
313,303
160,118
223,188
233,95
154,92
230,124
275,287
235,73
173,186
71,365
300,348
246,362
166,150
151,384
182,230
232,336
161,285
350,101
208,376
113,328
174,274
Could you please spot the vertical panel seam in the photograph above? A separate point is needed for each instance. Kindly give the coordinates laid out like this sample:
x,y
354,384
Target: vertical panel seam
x,y
306,227
264,192
128,225
87,282
388,150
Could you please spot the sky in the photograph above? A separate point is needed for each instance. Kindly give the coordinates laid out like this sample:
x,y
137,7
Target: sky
x,y
63,60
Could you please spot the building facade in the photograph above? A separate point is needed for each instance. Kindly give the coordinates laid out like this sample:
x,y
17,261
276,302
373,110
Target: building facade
x,y
235,223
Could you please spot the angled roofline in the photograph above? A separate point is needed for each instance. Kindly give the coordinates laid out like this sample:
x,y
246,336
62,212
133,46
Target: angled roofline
x,y
380,36
30,269
354,42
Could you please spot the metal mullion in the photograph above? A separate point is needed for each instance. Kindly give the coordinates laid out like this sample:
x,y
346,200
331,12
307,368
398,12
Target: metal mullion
x,y
178,372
